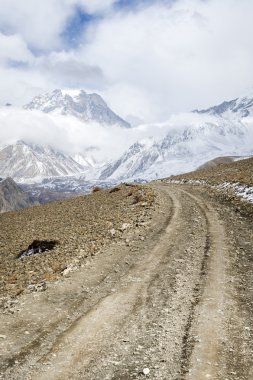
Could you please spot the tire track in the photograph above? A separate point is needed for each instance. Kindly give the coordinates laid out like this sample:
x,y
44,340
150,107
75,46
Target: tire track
x,y
172,295
206,320
188,341
81,341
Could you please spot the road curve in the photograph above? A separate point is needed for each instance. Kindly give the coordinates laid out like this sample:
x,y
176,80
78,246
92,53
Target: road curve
x,y
172,308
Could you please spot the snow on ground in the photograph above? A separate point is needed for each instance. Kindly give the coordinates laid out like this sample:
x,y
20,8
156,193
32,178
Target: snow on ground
x,y
243,191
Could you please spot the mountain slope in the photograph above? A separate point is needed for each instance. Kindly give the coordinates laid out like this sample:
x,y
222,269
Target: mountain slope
x,y
183,148
23,161
12,197
86,107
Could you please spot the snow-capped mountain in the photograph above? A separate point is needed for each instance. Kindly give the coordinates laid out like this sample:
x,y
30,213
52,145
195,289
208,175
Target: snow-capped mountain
x,y
182,144
240,107
23,161
183,148
86,107
134,162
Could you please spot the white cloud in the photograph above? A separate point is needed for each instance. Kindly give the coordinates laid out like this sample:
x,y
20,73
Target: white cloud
x,y
158,59
41,23
13,48
67,133
190,55
67,69
38,22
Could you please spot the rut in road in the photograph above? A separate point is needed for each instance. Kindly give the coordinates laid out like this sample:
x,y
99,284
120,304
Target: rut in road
x,y
167,312
207,323
84,338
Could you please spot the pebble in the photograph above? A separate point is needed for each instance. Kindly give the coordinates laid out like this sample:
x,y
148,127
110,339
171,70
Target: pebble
x,y
146,371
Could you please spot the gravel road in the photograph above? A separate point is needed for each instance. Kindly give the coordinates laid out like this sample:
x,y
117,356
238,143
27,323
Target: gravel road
x,y
174,305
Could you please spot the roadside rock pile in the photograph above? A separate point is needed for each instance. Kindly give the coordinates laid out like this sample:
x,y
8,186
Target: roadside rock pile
x,y
82,227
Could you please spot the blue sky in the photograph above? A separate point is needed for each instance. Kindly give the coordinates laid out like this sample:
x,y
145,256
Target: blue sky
x,y
80,20
131,4
76,25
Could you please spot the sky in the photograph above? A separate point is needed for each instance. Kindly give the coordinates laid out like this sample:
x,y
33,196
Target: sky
x,y
147,59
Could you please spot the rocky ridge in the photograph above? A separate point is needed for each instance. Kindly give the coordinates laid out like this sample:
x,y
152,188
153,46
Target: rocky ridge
x,y
12,197
24,160
86,107
240,107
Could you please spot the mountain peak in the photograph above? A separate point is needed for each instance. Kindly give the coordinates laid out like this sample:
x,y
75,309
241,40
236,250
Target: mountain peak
x,y
240,107
84,106
23,160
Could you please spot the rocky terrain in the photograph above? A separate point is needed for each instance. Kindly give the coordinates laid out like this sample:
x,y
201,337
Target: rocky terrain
x,y
12,197
232,182
82,226
143,282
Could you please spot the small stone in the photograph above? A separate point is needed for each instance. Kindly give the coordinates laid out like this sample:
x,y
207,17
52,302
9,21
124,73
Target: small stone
x,y
2,336
112,232
146,371
124,226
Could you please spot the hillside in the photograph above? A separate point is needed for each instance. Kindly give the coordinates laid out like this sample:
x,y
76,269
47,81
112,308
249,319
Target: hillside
x,y
81,226
239,171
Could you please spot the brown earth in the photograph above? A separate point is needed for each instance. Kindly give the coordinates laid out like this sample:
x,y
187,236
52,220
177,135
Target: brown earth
x,y
82,226
171,300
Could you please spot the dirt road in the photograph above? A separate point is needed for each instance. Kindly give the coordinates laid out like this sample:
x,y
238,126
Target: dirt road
x,y
178,304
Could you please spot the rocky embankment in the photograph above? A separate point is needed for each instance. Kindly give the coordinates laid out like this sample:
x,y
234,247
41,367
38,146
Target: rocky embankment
x,y
81,227
232,182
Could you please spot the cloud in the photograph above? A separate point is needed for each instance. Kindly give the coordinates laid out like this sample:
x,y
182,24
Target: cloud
x,y
38,22
14,49
150,61
190,54
66,69
67,133
41,23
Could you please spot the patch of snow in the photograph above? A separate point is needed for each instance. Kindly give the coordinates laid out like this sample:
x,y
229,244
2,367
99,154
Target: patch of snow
x,y
243,191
